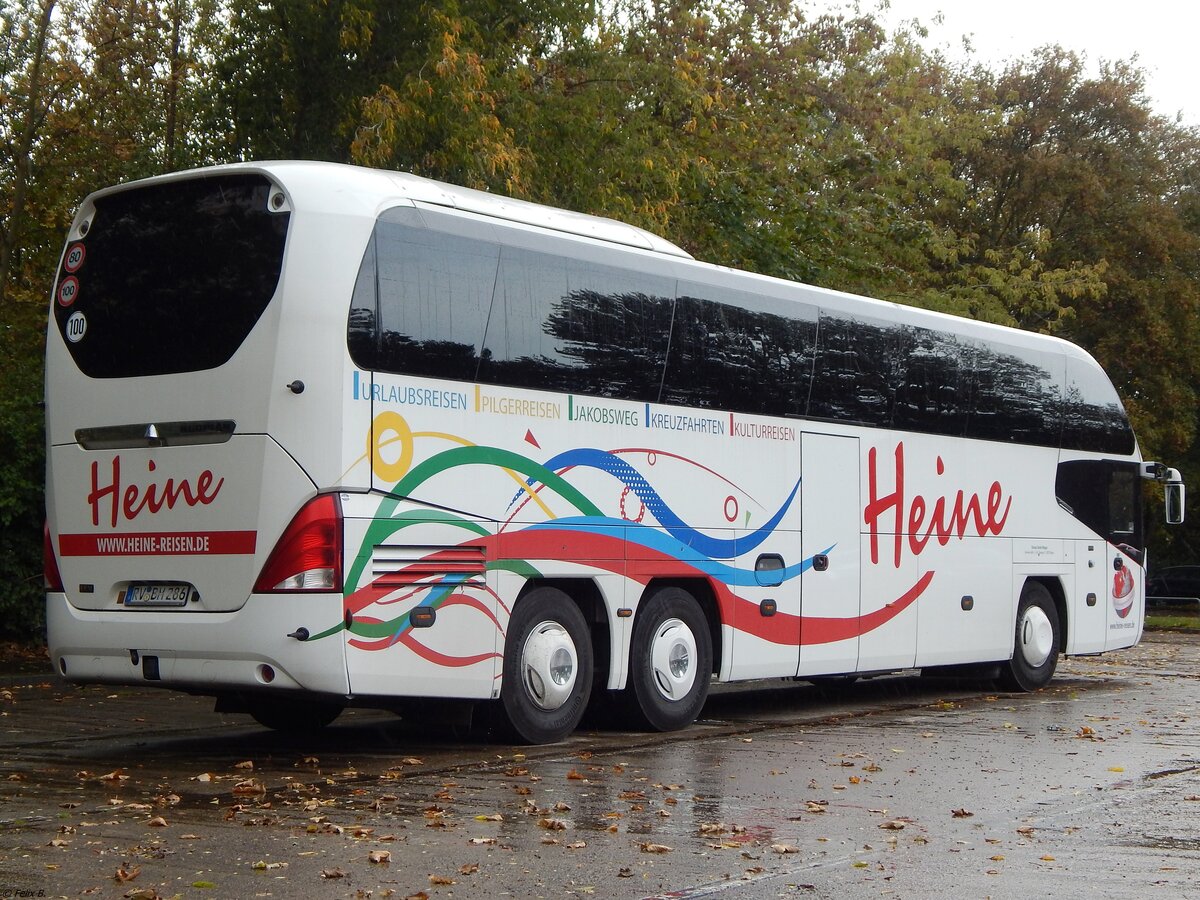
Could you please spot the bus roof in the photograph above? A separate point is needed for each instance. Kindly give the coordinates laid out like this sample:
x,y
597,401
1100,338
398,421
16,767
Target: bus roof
x,y
343,189
346,188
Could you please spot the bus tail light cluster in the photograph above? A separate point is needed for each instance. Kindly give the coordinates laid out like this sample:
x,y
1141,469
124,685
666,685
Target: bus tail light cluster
x,y
308,557
50,571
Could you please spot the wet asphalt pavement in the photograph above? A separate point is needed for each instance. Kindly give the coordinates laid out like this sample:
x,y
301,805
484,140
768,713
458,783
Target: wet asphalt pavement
x,y
894,787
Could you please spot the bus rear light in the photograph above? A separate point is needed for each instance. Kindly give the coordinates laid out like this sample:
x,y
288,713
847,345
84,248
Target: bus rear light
x,y
50,573
308,557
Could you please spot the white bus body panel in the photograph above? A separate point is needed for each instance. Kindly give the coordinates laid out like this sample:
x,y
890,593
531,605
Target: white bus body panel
x,y
207,652
834,614
125,516
398,570
456,495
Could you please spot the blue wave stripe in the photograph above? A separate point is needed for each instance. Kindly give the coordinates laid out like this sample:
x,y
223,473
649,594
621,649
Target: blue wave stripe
x,y
662,542
633,479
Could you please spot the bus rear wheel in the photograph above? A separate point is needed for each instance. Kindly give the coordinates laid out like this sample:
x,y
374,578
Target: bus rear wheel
x,y
547,667
1036,643
670,661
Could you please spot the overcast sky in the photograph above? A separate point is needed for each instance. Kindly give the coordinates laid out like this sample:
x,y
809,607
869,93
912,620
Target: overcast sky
x,y
1164,34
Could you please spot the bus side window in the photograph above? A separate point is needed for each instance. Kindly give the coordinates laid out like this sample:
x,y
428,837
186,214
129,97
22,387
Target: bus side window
x,y
1015,395
730,352
434,296
1093,416
362,333
572,325
929,384
858,363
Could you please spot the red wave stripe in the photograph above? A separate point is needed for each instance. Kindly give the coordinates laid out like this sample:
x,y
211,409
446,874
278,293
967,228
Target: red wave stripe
x,y
366,595
377,644
818,630
374,591
408,639
474,603
429,655
606,552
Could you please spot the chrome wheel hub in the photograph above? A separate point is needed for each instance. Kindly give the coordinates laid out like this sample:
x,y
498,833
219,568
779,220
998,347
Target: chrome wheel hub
x,y
673,659
1035,641
549,662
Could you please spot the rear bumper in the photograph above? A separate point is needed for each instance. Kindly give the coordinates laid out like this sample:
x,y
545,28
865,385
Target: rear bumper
x,y
204,652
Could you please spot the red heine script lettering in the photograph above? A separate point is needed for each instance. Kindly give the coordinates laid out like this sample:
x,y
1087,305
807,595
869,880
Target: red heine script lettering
x,y
918,521
136,499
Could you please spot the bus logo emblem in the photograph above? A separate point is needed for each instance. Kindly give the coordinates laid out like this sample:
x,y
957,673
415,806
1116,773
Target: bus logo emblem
x,y
1122,592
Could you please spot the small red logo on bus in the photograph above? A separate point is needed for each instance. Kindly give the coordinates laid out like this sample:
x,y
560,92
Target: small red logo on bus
x,y
1122,591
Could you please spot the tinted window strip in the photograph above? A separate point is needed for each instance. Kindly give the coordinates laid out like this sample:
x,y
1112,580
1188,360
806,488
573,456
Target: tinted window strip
x,y
647,340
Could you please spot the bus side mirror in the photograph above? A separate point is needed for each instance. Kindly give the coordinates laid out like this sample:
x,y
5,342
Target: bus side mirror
x,y
1175,493
1154,471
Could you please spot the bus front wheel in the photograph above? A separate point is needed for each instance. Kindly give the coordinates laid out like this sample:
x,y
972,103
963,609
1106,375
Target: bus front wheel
x,y
670,661
547,667
1035,647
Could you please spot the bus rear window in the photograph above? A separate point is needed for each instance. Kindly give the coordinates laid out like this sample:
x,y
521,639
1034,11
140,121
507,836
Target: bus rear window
x,y
170,278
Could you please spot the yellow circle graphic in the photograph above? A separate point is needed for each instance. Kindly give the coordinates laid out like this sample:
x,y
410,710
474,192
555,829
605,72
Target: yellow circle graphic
x,y
387,429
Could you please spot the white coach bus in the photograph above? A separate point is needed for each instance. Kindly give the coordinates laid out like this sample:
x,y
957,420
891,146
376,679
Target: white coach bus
x,y
321,435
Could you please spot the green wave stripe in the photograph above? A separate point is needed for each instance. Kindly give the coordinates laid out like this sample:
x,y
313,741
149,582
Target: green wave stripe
x,y
328,632
516,566
382,527
488,456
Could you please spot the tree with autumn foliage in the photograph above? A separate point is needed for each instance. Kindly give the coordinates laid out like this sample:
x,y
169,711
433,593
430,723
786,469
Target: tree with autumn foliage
x,y
93,93
759,134
1079,183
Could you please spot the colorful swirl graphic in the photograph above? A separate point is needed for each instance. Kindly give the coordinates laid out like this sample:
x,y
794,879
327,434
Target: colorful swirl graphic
x,y
632,479
668,547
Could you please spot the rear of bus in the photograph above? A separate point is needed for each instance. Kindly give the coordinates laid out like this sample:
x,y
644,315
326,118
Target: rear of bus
x,y
195,366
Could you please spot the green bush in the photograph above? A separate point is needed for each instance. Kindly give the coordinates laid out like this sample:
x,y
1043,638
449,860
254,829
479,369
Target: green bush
x,y
22,474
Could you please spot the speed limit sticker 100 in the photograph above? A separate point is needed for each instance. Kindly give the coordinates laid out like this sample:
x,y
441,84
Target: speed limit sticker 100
x,y
76,327
68,290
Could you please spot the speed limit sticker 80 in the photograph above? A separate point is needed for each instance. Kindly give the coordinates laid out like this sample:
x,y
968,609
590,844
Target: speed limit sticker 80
x,y
73,261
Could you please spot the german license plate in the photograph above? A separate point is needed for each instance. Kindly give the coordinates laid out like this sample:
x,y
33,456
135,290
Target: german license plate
x,y
157,594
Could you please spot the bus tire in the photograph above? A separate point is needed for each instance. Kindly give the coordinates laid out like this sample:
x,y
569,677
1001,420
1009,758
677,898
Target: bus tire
x,y
293,715
547,667
1036,641
670,664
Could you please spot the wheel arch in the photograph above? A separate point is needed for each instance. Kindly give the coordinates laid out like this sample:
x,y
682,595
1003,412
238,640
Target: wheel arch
x,y
585,594
1053,584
